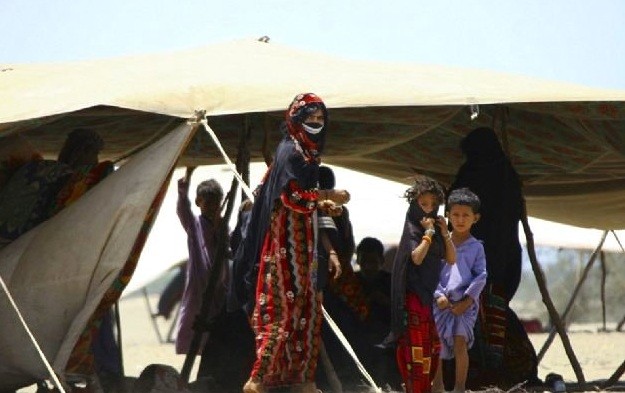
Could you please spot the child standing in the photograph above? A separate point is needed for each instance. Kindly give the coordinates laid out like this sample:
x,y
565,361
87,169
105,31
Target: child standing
x,y
458,293
201,240
415,276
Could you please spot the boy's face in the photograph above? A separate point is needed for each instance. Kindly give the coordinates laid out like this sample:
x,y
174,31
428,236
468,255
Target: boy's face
x,y
462,218
370,262
428,202
209,206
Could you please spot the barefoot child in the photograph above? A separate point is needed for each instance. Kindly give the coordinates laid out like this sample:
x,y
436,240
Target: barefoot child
x,y
416,270
457,295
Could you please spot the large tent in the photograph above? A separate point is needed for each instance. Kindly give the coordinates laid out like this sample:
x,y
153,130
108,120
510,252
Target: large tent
x,y
388,120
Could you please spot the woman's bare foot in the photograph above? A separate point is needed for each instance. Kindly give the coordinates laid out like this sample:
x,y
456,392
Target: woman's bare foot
x,y
252,386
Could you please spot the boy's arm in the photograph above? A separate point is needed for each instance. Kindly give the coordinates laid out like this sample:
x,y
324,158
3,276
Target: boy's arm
x,y
183,207
478,270
450,249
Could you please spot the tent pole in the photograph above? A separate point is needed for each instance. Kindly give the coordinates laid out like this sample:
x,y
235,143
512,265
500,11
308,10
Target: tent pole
x,y
174,322
152,317
615,377
571,302
603,279
540,280
118,324
619,326
243,153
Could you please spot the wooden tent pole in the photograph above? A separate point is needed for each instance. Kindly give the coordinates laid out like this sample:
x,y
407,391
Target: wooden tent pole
x,y
540,280
619,326
615,377
603,279
243,153
571,302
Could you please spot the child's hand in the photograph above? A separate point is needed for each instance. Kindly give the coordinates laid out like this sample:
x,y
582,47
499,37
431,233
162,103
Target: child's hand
x,y
442,224
427,223
189,172
462,306
442,302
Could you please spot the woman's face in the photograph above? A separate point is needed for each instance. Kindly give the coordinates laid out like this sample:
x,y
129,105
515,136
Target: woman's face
x,y
315,117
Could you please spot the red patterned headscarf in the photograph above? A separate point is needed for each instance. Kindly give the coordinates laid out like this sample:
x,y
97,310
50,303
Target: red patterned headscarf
x,y
302,106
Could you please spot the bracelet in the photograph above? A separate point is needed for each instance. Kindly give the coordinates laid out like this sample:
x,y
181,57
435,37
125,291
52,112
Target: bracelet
x,y
430,232
332,252
427,239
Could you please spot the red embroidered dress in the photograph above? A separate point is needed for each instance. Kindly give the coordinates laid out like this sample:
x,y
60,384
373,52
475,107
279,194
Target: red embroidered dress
x,y
287,315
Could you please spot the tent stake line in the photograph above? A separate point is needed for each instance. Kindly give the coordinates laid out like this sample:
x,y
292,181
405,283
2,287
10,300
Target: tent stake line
x,y
32,338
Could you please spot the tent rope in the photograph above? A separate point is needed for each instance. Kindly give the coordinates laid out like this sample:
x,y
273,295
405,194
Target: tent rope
x,y
32,337
349,349
231,166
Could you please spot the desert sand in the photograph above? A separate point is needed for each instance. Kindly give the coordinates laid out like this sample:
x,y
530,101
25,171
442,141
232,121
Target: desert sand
x,y
599,353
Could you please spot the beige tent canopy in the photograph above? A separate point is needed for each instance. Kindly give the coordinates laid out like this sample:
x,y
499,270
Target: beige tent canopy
x,y
389,120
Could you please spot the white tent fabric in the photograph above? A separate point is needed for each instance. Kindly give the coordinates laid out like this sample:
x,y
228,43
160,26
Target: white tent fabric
x,y
251,76
388,120
59,271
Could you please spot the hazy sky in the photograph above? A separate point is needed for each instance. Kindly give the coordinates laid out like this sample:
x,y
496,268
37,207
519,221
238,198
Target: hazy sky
x,y
569,40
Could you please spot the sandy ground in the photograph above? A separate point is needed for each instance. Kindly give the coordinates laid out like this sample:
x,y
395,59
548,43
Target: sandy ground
x,y
598,353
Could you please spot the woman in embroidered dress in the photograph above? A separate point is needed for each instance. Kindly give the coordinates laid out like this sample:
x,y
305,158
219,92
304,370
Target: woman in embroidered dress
x,y
276,267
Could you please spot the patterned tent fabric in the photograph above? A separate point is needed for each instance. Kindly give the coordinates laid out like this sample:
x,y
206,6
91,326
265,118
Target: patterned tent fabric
x,y
388,120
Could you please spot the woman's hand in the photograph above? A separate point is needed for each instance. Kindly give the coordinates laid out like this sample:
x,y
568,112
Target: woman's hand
x,y
340,197
334,265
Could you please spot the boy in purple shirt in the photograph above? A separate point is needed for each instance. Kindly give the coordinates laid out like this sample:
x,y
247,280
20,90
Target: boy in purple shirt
x,y
201,241
458,292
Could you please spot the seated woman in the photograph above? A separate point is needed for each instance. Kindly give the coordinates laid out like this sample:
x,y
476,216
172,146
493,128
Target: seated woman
x,y
33,189
80,152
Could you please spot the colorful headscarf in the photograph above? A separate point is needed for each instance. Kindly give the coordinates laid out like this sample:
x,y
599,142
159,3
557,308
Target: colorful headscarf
x,y
302,106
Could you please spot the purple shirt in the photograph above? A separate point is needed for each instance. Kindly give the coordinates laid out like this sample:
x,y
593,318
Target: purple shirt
x,y
201,242
465,277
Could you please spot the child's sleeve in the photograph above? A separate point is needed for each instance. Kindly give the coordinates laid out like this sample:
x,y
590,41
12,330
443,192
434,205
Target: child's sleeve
x,y
183,207
478,271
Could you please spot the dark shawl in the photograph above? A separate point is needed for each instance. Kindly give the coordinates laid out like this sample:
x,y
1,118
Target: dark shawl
x,y
489,174
296,158
406,276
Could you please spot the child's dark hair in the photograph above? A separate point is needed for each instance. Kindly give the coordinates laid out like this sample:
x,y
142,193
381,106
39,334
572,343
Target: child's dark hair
x,y
370,244
209,188
422,185
464,196
326,178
